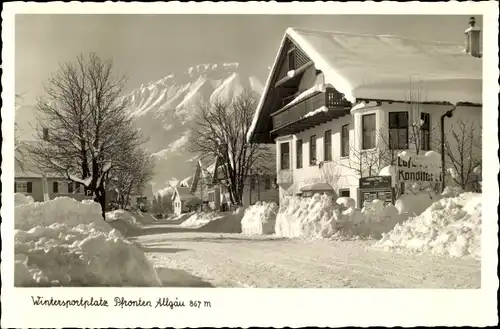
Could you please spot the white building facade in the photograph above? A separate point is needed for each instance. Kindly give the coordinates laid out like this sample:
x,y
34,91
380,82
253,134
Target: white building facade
x,y
338,111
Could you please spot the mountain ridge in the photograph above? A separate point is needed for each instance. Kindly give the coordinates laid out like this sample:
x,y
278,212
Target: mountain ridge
x,y
165,110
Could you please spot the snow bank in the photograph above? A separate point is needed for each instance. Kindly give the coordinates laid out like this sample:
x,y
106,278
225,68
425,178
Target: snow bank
x,y
21,199
123,221
259,219
449,227
59,210
64,242
199,219
321,217
227,223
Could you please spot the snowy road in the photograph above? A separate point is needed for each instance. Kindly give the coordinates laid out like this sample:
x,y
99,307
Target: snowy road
x,y
190,258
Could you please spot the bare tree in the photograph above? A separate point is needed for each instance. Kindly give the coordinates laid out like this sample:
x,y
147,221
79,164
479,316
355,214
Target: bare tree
x,y
130,175
220,131
84,128
162,204
363,163
19,152
463,149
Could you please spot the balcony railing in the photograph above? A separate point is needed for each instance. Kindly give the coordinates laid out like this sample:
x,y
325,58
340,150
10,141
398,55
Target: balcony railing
x,y
331,99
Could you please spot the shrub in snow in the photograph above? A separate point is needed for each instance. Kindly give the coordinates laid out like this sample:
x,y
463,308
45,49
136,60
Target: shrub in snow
x,y
64,242
259,219
450,227
123,221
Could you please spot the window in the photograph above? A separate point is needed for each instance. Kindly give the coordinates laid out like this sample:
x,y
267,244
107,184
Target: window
x,y
78,188
267,182
291,59
312,150
344,193
55,187
368,126
70,187
398,130
344,139
299,154
425,131
285,156
327,151
23,187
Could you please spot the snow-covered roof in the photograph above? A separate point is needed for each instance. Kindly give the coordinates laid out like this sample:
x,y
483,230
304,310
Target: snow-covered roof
x,y
183,192
186,182
381,67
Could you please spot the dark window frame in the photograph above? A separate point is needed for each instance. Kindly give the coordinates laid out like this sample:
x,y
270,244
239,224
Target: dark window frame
x,y
55,187
282,156
425,132
364,141
344,190
327,146
396,127
299,153
267,182
291,59
344,137
313,151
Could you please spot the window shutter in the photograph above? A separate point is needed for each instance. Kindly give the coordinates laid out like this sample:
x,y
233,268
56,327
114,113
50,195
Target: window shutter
x,y
15,187
29,187
55,187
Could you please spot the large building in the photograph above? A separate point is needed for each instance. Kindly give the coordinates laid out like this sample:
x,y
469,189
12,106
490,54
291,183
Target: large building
x,y
336,104
40,185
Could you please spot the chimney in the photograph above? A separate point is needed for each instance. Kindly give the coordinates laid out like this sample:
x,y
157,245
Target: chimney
x,y
473,38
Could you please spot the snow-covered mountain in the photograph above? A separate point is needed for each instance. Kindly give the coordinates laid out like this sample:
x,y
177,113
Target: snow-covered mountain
x,y
164,110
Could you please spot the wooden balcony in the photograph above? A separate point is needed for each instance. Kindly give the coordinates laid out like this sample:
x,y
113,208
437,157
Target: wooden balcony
x,y
284,176
294,119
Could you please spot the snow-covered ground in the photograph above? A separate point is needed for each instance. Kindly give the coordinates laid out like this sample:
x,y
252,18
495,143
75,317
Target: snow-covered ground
x,y
64,242
234,260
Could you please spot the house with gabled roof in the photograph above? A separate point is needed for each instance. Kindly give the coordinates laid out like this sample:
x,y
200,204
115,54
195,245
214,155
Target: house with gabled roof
x,y
41,185
332,95
210,184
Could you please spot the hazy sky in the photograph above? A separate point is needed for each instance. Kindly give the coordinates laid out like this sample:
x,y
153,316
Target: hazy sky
x,y
149,47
